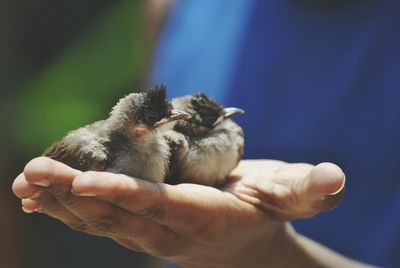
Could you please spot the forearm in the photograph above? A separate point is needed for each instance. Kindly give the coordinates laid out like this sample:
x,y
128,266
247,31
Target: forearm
x,y
321,256
290,249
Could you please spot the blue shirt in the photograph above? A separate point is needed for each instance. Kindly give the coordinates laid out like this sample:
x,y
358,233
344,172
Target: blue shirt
x,y
319,82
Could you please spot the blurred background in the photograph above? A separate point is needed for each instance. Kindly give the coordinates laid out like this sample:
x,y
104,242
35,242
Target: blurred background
x,y
322,75
63,64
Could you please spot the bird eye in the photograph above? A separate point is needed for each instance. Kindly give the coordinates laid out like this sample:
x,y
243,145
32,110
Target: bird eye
x,y
150,119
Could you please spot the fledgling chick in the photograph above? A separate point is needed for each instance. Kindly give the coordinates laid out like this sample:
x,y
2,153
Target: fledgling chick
x,y
127,142
215,143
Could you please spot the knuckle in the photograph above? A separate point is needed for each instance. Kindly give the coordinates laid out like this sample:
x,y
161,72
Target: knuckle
x,y
121,190
155,211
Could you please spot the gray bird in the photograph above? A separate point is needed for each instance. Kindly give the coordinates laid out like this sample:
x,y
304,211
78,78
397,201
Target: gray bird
x,y
129,141
209,145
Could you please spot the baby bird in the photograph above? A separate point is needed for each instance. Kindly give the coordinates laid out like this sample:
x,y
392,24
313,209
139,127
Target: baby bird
x,y
129,141
211,145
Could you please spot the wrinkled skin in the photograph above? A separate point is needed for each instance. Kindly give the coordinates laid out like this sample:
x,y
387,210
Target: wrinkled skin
x,y
239,225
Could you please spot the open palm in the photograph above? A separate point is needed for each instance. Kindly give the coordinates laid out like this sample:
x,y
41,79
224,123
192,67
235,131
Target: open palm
x,y
190,224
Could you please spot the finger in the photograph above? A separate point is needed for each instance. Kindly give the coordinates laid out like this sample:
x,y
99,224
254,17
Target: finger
x,y
96,217
99,217
128,229
45,203
23,189
102,219
150,238
325,179
181,207
49,206
55,178
292,191
43,171
29,205
140,197
322,189
50,181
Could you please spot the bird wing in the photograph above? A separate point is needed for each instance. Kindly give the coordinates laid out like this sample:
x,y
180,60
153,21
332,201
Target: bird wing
x,y
178,147
81,149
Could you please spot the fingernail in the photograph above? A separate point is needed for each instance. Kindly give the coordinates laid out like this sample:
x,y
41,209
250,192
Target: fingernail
x,y
340,188
43,183
82,194
24,209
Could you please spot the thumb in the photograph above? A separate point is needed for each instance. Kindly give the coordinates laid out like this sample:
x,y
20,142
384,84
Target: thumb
x,y
323,187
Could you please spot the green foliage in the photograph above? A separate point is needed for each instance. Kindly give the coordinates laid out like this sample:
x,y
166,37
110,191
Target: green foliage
x,y
82,84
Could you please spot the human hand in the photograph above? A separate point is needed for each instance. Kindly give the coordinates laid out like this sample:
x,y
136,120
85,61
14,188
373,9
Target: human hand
x,y
192,225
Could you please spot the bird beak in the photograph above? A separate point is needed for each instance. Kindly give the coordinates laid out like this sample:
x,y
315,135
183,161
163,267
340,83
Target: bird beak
x,y
175,115
228,112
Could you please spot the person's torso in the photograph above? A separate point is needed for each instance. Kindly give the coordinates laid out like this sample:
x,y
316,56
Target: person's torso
x,y
318,83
